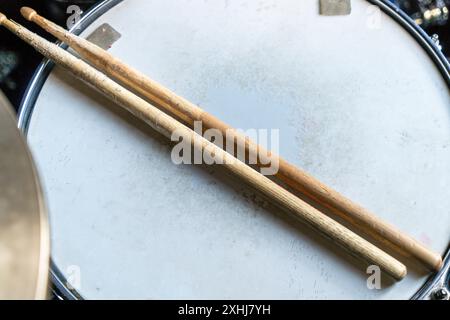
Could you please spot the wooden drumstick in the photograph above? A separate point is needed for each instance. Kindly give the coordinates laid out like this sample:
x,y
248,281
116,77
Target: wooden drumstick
x,y
167,126
358,217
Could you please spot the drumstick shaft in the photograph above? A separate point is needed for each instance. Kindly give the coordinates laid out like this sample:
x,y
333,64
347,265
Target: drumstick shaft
x,y
167,126
357,216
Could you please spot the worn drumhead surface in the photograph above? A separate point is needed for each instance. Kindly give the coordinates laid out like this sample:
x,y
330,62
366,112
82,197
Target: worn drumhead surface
x,y
358,103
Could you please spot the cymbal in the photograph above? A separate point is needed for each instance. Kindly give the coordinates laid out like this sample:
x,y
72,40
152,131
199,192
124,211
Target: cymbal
x,y
24,231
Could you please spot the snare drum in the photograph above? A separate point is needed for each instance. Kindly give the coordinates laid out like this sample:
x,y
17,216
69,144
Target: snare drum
x,y
361,101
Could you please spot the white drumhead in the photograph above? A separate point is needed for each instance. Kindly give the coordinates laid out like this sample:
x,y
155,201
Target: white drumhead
x,y
358,102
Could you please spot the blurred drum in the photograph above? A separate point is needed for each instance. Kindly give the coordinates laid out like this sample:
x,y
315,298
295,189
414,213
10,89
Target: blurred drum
x,y
360,100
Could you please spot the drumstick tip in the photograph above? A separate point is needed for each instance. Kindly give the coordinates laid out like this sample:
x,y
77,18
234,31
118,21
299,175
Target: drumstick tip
x,y
438,264
2,18
403,273
28,13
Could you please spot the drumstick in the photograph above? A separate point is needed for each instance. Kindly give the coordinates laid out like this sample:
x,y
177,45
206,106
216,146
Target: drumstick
x,y
167,126
358,217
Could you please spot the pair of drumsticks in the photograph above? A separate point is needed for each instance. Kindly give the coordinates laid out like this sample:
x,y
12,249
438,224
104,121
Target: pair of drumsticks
x,y
135,86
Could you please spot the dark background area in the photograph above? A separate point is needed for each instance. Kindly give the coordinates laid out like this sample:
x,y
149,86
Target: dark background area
x,y
18,61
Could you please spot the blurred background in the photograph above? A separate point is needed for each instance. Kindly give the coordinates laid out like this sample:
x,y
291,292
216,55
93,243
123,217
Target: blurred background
x,y
18,61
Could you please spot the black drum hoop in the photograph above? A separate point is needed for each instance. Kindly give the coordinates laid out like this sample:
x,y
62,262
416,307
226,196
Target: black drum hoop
x,y
62,289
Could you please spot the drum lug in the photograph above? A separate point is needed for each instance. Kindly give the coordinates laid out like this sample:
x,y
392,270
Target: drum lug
x,y
440,294
435,39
